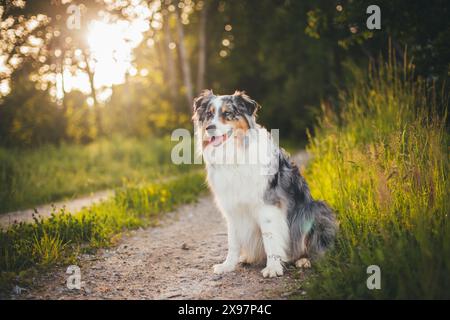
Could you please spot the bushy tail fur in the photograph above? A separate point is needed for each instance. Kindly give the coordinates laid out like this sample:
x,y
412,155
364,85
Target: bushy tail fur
x,y
313,229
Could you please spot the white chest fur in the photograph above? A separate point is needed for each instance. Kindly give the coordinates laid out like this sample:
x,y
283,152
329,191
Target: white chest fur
x,y
237,186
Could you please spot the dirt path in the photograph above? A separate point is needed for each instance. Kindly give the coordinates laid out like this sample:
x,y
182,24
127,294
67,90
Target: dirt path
x,y
74,205
172,261
71,205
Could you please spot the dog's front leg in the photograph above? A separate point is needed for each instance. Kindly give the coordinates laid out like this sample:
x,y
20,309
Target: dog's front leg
x,y
275,233
234,248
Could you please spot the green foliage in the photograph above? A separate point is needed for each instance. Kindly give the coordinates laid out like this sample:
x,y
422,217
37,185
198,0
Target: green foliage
x,y
385,171
288,55
60,238
412,26
29,116
273,59
136,111
32,177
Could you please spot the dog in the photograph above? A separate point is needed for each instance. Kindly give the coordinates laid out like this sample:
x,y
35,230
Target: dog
x,y
270,213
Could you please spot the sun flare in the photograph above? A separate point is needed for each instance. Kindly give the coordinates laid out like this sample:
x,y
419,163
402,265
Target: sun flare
x,y
111,49
111,57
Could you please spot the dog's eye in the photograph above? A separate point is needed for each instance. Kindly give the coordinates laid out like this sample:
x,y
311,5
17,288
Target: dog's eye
x,y
226,114
209,114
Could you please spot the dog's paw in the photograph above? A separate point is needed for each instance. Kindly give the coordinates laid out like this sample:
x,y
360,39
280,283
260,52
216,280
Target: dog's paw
x,y
223,268
272,270
303,263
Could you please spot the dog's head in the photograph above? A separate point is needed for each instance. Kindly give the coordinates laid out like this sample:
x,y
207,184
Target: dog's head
x,y
221,117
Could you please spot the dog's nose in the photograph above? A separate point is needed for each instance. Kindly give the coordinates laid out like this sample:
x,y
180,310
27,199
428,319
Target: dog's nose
x,y
211,127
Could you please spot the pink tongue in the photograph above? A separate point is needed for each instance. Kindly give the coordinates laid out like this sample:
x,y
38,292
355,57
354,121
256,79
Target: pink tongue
x,y
217,140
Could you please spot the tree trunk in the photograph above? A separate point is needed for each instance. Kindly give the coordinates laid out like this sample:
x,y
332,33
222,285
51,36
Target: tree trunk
x,y
170,72
202,48
187,78
98,120
63,80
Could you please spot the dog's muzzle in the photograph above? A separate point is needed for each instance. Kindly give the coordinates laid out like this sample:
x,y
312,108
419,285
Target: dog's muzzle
x,y
217,140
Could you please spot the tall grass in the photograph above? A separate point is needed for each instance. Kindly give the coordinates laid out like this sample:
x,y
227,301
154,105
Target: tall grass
x,y
28,247
32,177
384,168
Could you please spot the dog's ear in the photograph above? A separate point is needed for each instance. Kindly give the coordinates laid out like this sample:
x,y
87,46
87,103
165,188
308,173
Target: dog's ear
x,y
249,105
204,96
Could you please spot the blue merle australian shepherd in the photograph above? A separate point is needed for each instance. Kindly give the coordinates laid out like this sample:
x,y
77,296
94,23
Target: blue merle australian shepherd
x,y
267,204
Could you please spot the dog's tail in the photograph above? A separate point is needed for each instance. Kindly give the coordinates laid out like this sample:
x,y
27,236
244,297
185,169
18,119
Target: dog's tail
x,y
313,228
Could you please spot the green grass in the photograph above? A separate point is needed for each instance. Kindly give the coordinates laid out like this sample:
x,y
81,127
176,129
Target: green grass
x,y
27,248
384,169
33,177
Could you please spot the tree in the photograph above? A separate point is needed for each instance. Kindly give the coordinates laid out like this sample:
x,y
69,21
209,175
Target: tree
x,y
185,63
202,39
